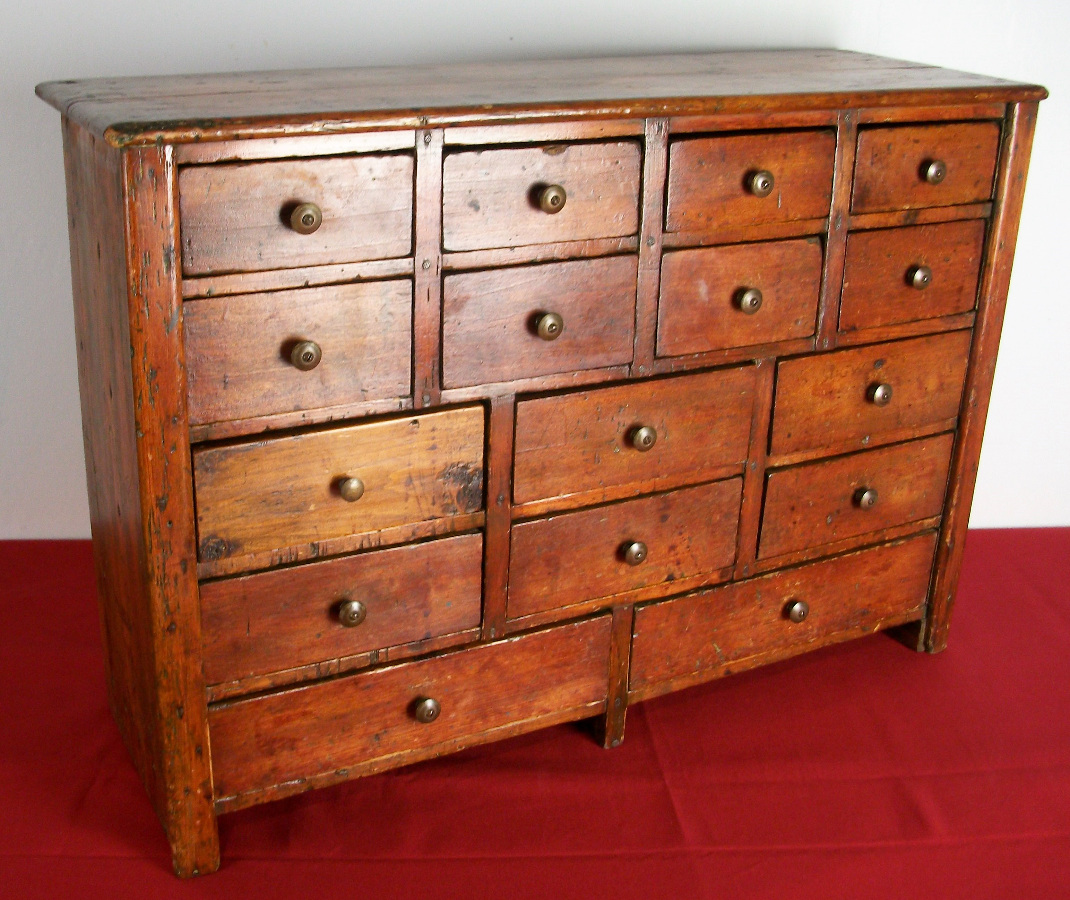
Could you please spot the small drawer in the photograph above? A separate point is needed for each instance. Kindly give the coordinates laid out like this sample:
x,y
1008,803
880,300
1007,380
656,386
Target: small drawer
x,y
281,215
329,610
693,427
409,711
908,167
847,398
260,354
742,625
749,179
653,544
900,275
738,295
824,502
537,195
285,492
508,324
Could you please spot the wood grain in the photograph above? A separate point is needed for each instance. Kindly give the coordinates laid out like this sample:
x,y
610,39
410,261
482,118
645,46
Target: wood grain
x,y
890,162
578,556
235,217
707,179
490,197
489,320
580,443
876,283
265,495
699,306
296,735
823,401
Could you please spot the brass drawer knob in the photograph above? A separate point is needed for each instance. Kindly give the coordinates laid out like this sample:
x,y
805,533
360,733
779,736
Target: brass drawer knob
x,y
351,489
866,498
306,355
427,709
920,277
880,394
549,326
760,183
750,300
306,218
643,438
797,610
352,613
935,171
552,199
635,553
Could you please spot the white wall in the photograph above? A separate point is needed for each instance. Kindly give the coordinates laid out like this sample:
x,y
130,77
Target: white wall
x,y
1024,478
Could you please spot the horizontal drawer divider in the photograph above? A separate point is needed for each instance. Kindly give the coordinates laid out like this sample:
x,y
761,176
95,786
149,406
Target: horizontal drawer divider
x,y
933,215
503,257
195,288
905,330
876,440
745,234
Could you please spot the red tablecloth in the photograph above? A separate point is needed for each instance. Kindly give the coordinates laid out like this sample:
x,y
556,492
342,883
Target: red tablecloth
x,y
862,770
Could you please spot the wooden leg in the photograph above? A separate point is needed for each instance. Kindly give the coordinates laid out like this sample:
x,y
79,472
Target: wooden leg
x,y
611,727
195,846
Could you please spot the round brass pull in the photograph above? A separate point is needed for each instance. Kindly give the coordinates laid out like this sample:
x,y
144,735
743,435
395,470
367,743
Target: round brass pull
x,y
749,300
352,613
549,326
643,438
306,218
797,610
760,183
935,171
635,553
351,489
306,355
552,199
880,394
866,498
427,709
920,277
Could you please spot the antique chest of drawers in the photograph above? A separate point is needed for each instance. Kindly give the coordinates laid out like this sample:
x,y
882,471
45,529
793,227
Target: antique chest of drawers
x,y
424,407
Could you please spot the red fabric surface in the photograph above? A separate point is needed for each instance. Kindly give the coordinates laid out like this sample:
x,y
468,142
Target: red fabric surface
x,y
862,770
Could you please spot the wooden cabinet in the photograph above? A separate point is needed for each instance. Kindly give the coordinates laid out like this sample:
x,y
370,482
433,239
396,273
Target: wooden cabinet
x,y
426,407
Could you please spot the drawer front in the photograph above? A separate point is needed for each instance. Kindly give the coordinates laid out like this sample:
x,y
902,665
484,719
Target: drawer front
x,y
492,320
746,624
710,179
830,400
237,218
898,167
500,198
708,299
240,351
820,503
580,556
908,274
588,441
269,495
277,620
554,675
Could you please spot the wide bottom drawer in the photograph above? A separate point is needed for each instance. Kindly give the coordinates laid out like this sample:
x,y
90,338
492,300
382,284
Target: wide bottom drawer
x,y
375,720
736,627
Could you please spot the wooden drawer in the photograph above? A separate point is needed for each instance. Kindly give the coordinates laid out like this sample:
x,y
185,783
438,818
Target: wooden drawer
x,y
907,274
892,168
746,624
707,300
828,400
583,442
581,556
824,502
271,495
490,320
239,349
236,218
709,179
493,198
296,616
320,731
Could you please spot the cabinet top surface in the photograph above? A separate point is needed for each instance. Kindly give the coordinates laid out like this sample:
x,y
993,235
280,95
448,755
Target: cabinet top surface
x,y
184,108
